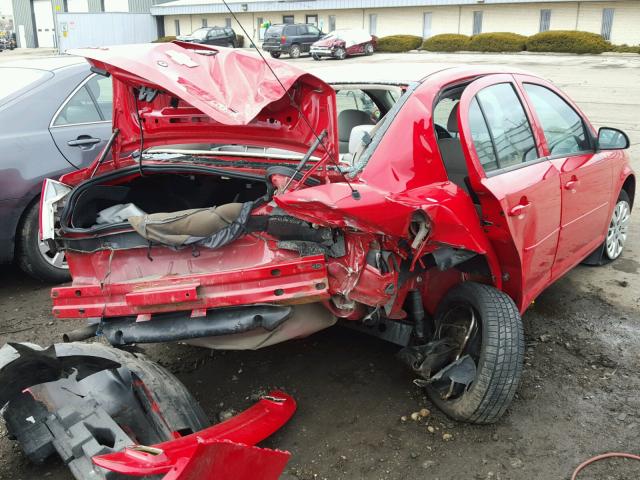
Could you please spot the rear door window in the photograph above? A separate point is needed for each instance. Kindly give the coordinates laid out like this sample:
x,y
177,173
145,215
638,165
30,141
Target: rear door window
x,y
498,114
91,103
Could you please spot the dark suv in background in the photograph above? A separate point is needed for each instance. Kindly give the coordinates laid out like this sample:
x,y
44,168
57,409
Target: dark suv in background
x,y
222,36
290,38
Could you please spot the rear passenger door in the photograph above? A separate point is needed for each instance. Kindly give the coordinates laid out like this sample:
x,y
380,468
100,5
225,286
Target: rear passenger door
x,y
518,187
81,126
586,176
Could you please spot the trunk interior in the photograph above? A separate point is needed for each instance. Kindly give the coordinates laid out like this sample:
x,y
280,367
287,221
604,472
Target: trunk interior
x,y
157,192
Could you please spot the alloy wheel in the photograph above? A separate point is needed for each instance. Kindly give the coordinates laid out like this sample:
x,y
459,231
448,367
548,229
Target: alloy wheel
x,y
52,256
617,233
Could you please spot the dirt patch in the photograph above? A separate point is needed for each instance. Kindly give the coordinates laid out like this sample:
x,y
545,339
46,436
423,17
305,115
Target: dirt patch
x,y
578,396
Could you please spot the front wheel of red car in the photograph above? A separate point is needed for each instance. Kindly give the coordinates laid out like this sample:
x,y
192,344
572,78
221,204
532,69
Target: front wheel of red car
x,y
315,57
39,259
618,228
368,49
486,326
340,53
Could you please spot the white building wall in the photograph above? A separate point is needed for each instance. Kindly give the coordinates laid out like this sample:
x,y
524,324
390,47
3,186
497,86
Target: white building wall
x,y
518,18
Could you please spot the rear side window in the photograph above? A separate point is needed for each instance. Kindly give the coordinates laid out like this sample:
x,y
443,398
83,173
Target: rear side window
x,y
563,127
91,103
501,117
291,30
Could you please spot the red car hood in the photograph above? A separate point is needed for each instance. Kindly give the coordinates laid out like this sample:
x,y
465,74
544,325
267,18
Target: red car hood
x,y
235,89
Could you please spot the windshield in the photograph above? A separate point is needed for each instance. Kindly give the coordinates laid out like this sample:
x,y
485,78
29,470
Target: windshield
x,y
16,79
200,34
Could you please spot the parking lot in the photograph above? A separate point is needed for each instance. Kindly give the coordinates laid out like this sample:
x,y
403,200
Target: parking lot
x,y
579,394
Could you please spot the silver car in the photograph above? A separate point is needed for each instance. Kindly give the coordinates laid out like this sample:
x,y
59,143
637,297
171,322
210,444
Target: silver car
x,y
55,116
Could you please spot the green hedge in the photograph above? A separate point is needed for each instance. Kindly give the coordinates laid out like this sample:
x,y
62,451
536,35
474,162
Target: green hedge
x,y
399,43
498,42
446,42
564,41
624,48
168,38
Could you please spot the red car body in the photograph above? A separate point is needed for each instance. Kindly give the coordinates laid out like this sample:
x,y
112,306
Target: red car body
x,y
344,43
526,227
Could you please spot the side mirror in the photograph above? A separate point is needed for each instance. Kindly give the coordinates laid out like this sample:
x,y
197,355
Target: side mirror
x,y
612,139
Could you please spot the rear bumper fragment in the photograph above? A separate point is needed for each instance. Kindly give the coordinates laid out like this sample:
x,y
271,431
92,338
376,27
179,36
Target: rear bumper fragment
x,y
302,280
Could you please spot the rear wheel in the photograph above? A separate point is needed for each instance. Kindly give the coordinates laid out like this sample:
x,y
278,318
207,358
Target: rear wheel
x,y
368,49
294,51
486,325
41,260
275,54
340,53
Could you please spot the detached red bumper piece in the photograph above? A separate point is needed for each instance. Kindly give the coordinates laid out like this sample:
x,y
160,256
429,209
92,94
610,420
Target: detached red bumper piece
x,y
224,451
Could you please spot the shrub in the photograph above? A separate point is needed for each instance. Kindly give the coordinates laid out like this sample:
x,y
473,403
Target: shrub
x,y
240,41
398,43
498,42
446,42
567,42
625,48
168,38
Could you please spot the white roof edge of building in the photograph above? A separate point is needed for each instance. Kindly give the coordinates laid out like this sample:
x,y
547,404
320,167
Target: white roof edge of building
x,y
182,7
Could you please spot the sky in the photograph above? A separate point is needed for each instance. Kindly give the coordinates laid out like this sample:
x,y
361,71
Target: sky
x,y
5,7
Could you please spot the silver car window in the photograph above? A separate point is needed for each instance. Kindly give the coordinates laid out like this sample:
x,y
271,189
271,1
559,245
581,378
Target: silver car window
x,y
16,79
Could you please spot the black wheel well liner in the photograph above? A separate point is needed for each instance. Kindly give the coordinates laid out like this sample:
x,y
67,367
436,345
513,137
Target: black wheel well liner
x,y
629,186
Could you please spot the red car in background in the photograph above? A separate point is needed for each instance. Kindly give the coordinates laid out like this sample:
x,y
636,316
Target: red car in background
x,y
343,43
231,220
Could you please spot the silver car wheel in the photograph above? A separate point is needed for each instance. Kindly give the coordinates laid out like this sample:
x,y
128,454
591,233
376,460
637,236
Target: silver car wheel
x,y
617,233
52,256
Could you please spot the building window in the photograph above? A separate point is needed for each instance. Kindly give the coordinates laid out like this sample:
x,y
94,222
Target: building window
x,y
373,23
176,25
426,24
477,22
332,23
288,19
607,23
204,22
545,19
261,29
227,22
311,19
115,5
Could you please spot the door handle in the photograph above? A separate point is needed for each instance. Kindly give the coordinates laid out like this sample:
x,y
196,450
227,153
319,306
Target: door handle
x,y
519,209
83,142
571,184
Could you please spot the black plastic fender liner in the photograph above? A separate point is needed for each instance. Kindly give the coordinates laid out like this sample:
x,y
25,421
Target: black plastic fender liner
x,y
180,326
139,402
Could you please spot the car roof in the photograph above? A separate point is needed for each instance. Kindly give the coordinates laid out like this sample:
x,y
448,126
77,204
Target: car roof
x,y
49,64
406,73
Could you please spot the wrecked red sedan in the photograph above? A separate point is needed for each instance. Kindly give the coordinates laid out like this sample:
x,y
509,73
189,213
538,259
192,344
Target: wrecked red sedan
x,y
223,214
343,43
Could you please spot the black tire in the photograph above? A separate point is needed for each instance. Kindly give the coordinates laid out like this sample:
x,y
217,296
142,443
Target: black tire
x,y
316,57
601,255
500,354
29,257
294,51
275,54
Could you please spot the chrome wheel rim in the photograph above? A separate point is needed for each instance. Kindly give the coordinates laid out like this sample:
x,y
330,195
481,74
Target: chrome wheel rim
x,y
52,256
369,48
617,232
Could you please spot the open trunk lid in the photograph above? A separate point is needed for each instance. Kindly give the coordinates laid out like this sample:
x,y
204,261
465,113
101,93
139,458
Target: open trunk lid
x,y
185,93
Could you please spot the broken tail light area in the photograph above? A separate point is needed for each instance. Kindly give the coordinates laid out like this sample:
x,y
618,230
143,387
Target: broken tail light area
x,y
53,193
95,407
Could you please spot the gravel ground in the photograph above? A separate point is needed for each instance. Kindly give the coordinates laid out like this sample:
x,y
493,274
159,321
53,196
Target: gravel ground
x,y
579,394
